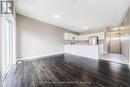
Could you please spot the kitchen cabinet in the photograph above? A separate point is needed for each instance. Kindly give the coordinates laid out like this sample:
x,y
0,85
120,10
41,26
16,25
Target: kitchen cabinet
x,y
101,36
70,36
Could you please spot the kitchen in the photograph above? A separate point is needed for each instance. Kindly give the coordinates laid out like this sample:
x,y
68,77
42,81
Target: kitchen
x,y
87,45
110,45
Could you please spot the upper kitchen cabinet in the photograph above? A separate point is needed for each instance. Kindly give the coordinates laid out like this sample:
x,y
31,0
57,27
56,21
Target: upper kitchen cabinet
x,y
70,36
101,36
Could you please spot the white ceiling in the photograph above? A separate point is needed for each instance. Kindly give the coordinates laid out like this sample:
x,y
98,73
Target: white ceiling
x,y
76,15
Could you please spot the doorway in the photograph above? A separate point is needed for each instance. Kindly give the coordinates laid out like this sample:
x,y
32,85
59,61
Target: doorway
x,y
117,46
114,42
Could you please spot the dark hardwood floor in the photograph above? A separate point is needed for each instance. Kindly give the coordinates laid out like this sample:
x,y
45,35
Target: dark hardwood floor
x,y
68,71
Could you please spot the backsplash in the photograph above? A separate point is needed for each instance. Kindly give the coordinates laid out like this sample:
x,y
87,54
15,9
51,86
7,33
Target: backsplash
x,y
85,42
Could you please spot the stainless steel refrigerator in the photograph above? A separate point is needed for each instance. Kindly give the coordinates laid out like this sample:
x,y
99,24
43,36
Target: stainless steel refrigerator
x,y
93,40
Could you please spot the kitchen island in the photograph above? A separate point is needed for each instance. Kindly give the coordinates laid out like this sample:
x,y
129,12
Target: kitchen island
x,y
89,51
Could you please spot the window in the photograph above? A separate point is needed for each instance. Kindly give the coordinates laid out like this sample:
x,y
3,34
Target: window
x,y
7,44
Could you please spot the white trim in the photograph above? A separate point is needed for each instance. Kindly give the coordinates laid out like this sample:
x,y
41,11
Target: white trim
x,y
45,55
4,77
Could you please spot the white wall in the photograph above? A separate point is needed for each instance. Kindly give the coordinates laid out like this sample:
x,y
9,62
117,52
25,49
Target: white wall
x,y
35,38
125,45
125,38
90,31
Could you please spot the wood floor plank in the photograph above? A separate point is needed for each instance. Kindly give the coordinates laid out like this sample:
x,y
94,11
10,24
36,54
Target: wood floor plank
x,y
68,71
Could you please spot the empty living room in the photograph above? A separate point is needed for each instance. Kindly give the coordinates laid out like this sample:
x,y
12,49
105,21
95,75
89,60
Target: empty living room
x,y
64,43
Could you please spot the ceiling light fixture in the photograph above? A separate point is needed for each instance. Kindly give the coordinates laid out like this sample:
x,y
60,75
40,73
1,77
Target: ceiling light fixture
x,y
56,16
75,0
85,28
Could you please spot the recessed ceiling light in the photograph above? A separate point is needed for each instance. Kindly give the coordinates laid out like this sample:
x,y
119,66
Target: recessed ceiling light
x,y
56,16
75,0
85,28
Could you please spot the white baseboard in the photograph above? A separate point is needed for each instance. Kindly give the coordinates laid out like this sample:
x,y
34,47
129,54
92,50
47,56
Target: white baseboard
x,y
36,57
